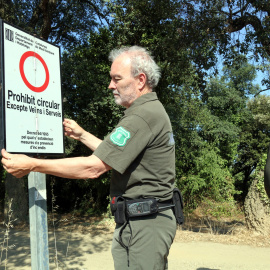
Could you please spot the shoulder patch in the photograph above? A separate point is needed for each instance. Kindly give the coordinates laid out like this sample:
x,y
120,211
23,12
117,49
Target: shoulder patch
x,y
120,136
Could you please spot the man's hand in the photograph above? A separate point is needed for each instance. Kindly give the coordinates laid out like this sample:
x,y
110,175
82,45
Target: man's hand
x,y
72,129
17,165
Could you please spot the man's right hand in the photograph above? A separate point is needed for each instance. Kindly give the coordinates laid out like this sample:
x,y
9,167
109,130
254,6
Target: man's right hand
x,y
17,165
72,129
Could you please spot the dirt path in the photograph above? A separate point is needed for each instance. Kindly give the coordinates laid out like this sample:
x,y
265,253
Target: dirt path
x,y
190,251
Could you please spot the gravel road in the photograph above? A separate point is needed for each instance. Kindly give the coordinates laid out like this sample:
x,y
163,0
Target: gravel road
x,y
91,251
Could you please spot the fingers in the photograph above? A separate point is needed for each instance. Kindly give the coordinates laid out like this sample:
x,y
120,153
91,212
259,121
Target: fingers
x,y
5,154
6,159
68,124
20,174
9,161
72,129
7,164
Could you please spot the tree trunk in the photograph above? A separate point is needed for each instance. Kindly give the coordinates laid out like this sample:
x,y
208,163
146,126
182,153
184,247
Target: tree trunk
x,y
257,213
16,196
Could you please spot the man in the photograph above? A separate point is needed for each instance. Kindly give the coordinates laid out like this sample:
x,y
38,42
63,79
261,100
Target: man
x,y
140,151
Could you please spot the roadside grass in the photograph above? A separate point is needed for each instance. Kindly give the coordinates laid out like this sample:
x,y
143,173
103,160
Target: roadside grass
x,y
222,222
5,243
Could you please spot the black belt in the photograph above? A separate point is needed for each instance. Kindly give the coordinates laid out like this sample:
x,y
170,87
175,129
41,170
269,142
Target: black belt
x,y
165,205
122,209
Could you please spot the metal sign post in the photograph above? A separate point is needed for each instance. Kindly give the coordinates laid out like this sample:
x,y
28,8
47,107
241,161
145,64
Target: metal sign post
x,y
38,221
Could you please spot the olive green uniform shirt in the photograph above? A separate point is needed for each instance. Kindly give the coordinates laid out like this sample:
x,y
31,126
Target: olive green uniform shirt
x,y
141,151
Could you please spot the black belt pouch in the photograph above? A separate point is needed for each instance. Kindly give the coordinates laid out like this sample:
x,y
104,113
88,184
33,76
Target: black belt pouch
x,y
118,208
178,206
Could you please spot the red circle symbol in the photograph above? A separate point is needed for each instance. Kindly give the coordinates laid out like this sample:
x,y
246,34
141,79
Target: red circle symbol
x,y
28,84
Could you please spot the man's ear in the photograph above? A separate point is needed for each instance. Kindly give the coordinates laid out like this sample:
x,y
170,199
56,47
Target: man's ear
x,y
142,81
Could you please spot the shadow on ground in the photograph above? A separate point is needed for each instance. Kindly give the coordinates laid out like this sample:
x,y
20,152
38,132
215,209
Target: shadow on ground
x,y
67,249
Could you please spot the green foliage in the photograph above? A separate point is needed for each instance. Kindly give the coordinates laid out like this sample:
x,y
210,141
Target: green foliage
x,y
254,140
241,26
208,177
232,128
220,210
65,23
260,176
260,107
85,85
89,196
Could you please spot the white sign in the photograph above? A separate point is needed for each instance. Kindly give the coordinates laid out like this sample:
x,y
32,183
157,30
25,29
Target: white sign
x,y
32,94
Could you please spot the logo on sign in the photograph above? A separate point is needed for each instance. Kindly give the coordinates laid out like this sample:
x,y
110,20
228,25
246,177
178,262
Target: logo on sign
x,y
27,83
9,35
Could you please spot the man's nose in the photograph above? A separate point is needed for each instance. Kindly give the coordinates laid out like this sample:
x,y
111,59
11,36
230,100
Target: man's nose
x,y
111,85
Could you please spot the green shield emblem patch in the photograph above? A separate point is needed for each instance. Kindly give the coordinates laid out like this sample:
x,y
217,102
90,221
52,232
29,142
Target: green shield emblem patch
x,y
120,136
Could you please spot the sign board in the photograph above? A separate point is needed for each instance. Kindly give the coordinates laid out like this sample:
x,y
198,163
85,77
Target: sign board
x,y
31,96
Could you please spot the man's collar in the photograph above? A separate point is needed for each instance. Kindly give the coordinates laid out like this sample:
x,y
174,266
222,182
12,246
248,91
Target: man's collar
x,y
143,99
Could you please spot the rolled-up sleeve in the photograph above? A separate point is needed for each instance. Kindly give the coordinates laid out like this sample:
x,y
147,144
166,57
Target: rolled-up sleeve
x,y
121,147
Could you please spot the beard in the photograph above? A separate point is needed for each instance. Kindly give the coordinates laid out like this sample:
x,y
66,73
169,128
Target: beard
x,y
126,97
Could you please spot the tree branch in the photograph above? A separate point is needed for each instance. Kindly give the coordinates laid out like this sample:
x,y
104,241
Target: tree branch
x,y
237,24
43,10
261,91
97,10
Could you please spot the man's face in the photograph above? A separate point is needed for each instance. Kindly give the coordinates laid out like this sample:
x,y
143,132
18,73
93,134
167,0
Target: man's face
x,y
123,84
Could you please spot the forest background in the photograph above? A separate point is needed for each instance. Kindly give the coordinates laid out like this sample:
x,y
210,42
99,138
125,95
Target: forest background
x,y
210,53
